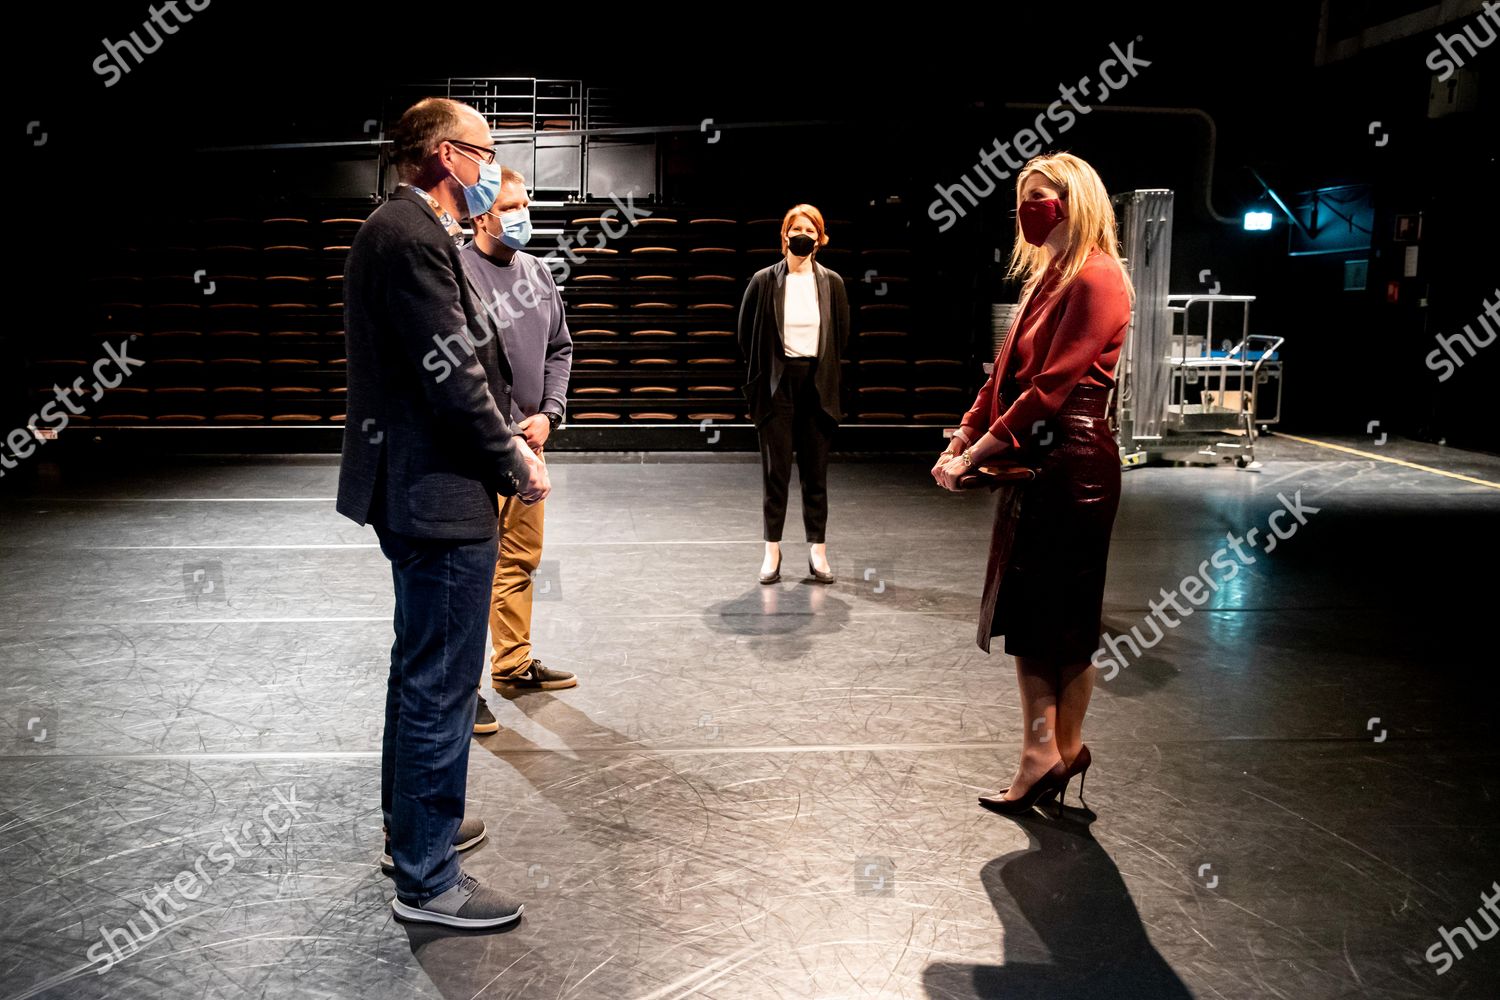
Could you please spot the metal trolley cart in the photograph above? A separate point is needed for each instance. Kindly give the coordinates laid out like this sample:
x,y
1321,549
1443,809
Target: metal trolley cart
x,y
1177,389
1216,386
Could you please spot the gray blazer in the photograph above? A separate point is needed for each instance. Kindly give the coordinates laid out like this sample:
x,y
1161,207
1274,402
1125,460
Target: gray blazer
x,y
427,441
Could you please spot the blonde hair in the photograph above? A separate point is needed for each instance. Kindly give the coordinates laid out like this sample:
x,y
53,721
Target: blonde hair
x,y
813,215
1090,222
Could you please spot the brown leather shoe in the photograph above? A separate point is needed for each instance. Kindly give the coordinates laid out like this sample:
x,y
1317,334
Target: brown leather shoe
x,y
537,678
818,575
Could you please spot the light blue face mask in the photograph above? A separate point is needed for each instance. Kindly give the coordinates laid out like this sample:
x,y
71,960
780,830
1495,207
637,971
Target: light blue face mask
x,y
480,195
515,227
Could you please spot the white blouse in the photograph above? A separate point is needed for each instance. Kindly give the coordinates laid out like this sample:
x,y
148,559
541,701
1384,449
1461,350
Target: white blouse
x,y
800,319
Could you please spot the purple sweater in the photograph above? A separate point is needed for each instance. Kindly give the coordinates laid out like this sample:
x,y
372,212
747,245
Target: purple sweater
x,y
522,300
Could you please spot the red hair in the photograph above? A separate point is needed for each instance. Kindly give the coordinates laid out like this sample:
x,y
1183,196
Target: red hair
x,y
813,215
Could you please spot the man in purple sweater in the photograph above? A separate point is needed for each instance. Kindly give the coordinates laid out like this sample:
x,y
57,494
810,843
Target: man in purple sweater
x,y
521,301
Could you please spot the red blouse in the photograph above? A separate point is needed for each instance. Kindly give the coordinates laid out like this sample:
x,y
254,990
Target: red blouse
x,y
1060,340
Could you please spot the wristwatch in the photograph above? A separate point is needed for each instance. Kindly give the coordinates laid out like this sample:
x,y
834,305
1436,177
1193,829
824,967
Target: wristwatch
x,y
553,419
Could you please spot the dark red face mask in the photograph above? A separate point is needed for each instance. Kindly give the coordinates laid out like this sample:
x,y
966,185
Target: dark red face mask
x,y
1039,218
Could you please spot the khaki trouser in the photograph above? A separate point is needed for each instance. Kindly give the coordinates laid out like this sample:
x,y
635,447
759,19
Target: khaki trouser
x,y
510,599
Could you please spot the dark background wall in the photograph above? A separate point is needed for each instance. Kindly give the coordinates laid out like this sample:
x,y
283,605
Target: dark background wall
x,y
897,100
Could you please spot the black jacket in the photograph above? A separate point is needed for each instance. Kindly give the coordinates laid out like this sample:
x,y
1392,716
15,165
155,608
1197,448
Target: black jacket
x,y
760,337
427,443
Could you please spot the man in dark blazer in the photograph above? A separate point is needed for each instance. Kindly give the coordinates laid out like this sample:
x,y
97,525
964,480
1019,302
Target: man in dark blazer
x,y
428,446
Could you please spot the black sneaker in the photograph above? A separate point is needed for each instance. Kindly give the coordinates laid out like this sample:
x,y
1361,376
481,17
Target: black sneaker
x,y
470,833
484,720
537,678
467,904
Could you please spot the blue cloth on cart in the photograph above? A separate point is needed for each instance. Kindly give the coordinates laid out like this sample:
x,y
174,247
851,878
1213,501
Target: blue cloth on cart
x,y
1249,355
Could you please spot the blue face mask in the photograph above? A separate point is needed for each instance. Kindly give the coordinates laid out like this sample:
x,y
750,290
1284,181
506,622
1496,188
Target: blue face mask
x,y
515,228
480,195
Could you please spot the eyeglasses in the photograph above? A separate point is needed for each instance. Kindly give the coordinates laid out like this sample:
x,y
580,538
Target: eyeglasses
x,y
486,152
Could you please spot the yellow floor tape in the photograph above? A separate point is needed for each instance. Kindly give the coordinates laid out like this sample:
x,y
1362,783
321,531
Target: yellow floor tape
x,y
1392,461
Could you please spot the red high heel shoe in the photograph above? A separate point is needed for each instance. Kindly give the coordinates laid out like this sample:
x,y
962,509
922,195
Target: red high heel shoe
x,y
1044,789
1079,767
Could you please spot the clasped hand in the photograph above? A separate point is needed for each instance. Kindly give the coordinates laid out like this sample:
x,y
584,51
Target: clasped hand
x,y
537,484
947,470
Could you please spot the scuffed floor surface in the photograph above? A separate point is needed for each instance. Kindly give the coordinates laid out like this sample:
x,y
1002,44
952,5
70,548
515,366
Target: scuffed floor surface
x,y
758,792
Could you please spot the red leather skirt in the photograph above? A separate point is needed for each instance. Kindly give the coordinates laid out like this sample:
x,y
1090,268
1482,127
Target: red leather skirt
x,y
1044,587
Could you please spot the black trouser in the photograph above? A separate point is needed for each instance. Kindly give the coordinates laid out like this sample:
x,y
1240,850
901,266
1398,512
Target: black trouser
x,y
797,421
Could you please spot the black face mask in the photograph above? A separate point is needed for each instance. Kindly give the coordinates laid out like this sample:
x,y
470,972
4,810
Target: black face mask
x,y
800,245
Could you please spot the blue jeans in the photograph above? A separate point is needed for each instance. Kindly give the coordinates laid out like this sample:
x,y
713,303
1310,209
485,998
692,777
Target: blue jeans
x,y
442,617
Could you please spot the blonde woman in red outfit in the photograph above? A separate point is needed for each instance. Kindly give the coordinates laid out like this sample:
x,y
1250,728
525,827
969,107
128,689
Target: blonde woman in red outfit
x,y
1045,406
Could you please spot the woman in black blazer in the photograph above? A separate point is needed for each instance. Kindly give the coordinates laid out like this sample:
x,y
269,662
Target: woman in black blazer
x,y
793,328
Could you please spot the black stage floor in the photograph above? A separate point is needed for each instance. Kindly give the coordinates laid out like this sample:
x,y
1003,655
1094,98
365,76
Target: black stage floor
x,y
759,792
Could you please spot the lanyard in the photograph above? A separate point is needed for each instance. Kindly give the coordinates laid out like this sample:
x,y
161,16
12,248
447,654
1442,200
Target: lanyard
x,y
444,218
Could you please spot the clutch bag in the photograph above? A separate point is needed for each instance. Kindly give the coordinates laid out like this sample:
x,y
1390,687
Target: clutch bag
x,y
996,474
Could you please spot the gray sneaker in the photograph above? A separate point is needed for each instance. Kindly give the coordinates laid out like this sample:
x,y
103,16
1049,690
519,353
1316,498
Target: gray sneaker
x,y
470,833
467,904
485,722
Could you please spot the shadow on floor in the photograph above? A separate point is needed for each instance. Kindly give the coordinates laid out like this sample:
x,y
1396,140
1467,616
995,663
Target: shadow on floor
x,y
790,609
1072,932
